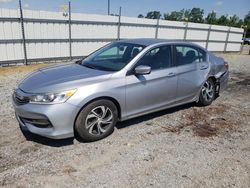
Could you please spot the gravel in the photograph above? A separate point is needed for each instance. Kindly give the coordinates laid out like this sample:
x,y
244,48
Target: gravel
x,y
187,146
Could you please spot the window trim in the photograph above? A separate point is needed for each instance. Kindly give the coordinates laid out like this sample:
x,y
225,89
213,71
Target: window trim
x,y
199,50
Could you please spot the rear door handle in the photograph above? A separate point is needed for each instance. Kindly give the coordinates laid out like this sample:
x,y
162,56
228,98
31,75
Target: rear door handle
x,y
203,67
171,74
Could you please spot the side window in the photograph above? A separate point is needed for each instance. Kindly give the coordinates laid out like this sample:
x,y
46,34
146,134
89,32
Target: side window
x,y
136,50
187,55
157,58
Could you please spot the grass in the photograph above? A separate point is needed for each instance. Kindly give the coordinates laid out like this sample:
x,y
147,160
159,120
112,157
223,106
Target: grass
x,y
4,71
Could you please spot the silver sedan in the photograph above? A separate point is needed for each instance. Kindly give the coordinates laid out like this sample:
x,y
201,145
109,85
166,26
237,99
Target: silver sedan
x,y
122,80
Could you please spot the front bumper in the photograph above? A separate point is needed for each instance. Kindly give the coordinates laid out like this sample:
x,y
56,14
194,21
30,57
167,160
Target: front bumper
x,y
60,116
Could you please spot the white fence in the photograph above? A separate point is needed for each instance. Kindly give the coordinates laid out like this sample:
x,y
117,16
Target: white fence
x,y
47,34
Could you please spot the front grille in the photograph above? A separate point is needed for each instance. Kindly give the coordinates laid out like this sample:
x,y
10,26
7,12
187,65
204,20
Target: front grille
x,y
20,99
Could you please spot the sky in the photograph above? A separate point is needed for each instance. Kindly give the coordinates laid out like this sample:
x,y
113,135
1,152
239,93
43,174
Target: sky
x,y
135,7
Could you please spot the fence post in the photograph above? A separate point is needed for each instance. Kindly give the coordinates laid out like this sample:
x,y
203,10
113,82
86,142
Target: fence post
x,y
119,24
23,34
157,28
108,7
70,46
228,32
208,36
185,32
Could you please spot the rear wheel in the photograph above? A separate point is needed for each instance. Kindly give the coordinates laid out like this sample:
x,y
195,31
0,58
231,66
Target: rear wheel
x,y
97,120
207,93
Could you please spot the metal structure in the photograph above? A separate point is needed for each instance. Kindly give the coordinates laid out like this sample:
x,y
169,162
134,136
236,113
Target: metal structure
x,y
70,44
119,24
23,34
157,28
33,36
228,32
108,7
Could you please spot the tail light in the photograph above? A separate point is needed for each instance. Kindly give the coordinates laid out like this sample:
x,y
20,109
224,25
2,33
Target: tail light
x,y
226,65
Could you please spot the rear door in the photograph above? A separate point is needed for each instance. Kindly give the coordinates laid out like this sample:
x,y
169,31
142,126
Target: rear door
x,y
146,93
192,70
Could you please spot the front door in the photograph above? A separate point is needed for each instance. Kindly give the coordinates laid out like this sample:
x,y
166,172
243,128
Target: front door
x,y
145,93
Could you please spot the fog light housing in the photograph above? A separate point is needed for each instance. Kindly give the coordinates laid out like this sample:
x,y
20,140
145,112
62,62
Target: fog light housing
x,y
40,123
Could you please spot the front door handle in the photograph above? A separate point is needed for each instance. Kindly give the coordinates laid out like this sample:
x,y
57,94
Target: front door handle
x,y
171,74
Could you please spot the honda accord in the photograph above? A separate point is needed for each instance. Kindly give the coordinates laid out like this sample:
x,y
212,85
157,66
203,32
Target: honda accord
x,y
122,80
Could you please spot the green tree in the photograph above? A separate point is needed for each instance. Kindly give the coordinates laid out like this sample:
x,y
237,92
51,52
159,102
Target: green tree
x,y
140,16
174,15
196,15
211,18
153,15
247,18
186,15
240,23
247,23
222,20
233,21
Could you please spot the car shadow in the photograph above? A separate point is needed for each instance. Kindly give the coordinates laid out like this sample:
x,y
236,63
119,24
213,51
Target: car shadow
x,y
47,141
147,117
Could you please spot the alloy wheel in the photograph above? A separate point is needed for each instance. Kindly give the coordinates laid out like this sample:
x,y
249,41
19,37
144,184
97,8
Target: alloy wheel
x,y
99,120
207,91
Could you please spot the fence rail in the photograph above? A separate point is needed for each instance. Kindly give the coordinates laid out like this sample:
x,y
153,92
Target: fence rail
x,y
51,36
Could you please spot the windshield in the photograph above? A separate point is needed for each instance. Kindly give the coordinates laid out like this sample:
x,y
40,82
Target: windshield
x,y
112,57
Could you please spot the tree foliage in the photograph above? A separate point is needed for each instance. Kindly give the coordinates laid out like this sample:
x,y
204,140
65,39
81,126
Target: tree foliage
x,y
140,16
211,18
196,15
175,15
233,20
223,20
153,15
247,23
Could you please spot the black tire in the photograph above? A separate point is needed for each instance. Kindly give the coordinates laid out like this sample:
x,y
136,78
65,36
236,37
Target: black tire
x,y
206,98
92,114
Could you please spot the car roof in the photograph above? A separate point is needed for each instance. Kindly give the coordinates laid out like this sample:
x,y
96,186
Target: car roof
x,y
151,41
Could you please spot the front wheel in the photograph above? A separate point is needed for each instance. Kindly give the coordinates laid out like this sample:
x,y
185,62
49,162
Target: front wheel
x,y
207,93
97,120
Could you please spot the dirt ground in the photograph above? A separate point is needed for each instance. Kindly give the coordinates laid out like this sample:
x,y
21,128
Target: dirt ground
x,y
188,146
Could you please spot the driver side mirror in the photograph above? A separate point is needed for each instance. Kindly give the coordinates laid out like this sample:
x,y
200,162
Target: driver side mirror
x,y
142,70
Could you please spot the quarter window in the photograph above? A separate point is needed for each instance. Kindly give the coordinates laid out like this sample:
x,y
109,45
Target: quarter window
x,y
187,55
157,58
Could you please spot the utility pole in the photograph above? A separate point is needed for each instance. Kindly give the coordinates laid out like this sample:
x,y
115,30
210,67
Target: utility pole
x,y
108,7
244,36
70,46
119,24
23,34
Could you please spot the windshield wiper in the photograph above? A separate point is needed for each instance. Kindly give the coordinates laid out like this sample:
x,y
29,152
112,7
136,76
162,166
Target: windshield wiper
x,y
97,67
89,66
79,62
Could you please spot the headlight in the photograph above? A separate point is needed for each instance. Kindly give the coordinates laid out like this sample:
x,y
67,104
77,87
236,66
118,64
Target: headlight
x,y
52,98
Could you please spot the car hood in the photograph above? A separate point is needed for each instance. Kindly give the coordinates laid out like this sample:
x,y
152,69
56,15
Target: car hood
x,y
61,77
